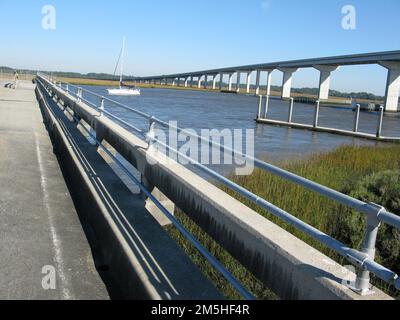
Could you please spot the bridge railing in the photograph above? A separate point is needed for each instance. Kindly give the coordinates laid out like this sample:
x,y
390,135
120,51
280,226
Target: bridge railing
x,y
363,259
203,251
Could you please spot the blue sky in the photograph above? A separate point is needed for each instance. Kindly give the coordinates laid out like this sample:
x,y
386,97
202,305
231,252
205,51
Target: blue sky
x,y
183,35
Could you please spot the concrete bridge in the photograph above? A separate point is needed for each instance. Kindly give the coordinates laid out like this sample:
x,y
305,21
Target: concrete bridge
x,y
123,249
389,60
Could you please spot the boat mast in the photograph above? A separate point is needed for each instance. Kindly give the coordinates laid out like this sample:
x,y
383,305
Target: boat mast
x,y
122,61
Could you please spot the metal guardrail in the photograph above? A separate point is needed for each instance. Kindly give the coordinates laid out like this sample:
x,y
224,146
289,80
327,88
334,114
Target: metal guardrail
x,y
207,255
364,259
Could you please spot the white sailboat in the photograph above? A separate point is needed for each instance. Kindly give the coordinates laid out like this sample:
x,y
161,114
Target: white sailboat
x,y
123,90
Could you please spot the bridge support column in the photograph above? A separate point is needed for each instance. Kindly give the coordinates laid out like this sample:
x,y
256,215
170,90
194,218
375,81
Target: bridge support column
x,y
214,81
248,79
238,81
287,81
269,80
392,86
199,82
221,80
325,80
258,76
191,81
173,82
205,81
186,82
230,82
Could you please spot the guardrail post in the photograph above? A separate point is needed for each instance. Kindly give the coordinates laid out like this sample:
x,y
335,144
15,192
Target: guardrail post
x,y
259,106
79,94
266,106
316,114
380,122
151,132
356,118
67,88
290,115
101,106
363,285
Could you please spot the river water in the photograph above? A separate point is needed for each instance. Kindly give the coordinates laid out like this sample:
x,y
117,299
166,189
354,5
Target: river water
x,y
215,110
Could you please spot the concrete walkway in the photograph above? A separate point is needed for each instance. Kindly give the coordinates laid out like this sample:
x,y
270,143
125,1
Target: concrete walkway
x,y
38,223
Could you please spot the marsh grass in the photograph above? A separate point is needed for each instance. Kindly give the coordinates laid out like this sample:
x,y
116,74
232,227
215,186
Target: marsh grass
x,y
340,169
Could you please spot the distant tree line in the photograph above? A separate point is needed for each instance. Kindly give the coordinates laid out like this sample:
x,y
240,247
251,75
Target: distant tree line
x,y
335,93
96,76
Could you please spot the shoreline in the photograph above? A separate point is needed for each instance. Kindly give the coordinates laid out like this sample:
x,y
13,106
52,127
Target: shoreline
x,y
336,101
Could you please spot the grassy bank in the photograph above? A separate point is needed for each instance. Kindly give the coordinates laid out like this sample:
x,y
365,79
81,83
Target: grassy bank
x,y
21,76
353,170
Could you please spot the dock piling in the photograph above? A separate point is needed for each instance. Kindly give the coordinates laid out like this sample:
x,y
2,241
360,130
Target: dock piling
x,y
356,118
380,122
266,106
259,106
290,115
316,114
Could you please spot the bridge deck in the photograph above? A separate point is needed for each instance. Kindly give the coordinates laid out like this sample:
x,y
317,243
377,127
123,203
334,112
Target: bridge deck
x,y
38,222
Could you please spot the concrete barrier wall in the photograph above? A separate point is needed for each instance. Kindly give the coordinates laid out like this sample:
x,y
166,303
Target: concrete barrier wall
x,y
165,273
287,265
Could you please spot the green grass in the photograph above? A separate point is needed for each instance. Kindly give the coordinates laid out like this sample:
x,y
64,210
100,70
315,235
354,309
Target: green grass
x,y
338,170
341,169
